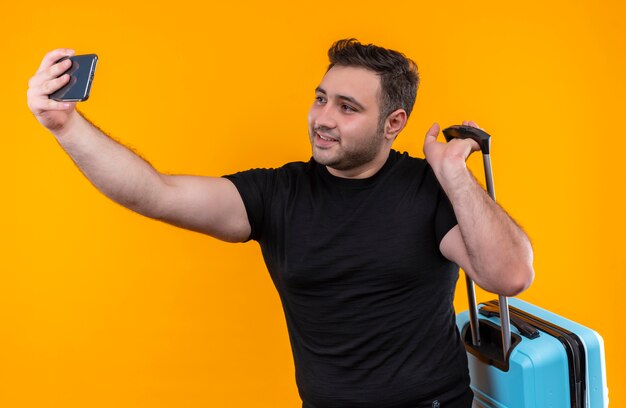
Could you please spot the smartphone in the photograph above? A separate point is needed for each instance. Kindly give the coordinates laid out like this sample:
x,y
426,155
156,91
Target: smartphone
x,y
81,73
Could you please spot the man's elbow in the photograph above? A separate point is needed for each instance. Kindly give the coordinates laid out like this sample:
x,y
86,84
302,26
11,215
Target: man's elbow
x,y
521,278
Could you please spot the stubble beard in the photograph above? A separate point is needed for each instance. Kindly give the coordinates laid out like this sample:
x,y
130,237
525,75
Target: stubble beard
x,y
347,159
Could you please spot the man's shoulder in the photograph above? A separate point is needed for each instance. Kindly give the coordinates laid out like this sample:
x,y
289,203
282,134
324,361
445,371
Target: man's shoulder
x,y
407,156
404,159
293,170
285,169
298,166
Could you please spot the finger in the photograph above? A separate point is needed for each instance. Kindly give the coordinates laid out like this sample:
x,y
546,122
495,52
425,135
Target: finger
x,y
53,56
43,105
473,124
54,71
471,145
431,135
462,147
50,86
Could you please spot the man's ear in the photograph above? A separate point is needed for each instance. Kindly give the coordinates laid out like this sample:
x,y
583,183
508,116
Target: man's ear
x,y
395,123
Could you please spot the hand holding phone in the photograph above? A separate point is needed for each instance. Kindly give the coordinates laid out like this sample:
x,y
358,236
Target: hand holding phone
x,y
81,74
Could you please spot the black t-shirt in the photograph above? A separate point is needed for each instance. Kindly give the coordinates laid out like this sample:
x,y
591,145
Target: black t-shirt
x,y
366,293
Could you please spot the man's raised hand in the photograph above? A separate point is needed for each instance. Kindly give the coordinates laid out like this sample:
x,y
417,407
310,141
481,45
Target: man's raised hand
x,y
447,159
51,114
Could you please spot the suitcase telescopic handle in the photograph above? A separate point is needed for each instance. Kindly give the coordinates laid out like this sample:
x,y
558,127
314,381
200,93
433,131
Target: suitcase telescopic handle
x,y
484,141
468,132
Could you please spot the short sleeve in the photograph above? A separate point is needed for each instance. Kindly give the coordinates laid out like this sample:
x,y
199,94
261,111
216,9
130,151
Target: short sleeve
x,y
255,188
445,219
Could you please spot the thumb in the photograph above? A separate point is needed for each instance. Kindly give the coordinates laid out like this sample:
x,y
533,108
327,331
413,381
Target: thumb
x,y
431,135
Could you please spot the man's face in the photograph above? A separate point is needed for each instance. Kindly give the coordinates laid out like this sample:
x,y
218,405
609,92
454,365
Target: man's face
x,y
343,121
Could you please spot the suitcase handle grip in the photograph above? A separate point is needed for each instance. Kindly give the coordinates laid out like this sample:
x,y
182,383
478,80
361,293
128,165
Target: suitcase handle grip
x,y
525,329
469,132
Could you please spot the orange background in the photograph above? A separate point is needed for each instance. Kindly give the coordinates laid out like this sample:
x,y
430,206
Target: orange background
x,y
100,307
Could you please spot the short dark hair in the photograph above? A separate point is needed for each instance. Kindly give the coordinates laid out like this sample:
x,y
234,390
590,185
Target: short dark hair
x,y
399,78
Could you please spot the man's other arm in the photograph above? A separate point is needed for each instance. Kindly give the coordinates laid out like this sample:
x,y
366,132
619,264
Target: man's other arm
x,y
490,247
205,204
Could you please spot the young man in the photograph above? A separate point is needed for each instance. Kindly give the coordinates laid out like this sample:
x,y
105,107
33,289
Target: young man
x,y
363,243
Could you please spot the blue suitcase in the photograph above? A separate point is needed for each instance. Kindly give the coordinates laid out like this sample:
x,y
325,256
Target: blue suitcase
x,y
545,361
552,362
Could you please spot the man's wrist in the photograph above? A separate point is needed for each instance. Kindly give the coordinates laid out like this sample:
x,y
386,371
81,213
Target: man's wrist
x,y
454,175
71,125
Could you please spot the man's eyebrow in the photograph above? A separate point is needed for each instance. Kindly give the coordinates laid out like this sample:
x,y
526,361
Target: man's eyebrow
x,y
350,99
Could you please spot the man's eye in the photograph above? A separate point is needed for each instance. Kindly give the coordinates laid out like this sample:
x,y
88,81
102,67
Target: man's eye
x,y
320,99
347,108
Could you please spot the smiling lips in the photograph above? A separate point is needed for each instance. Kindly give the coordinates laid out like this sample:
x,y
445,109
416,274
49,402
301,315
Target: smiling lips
x,y
325,140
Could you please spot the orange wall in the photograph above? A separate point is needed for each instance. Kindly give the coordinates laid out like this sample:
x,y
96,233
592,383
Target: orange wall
x,y
100,307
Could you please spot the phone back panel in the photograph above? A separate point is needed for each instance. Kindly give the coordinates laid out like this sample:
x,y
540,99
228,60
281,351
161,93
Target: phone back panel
x,y
81,73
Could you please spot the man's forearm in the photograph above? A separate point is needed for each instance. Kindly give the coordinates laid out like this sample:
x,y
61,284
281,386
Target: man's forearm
x,y
111,167
498,248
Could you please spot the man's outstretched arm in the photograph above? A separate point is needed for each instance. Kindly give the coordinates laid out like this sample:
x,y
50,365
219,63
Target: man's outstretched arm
x,y
490,247
206,204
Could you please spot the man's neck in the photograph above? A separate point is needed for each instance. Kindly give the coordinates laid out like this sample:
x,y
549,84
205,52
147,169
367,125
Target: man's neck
x,y
364,171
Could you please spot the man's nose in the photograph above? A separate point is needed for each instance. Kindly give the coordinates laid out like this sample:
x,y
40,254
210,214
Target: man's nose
x,y
324,117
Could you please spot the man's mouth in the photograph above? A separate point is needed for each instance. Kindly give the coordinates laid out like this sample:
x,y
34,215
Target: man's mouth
x,y
326,138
